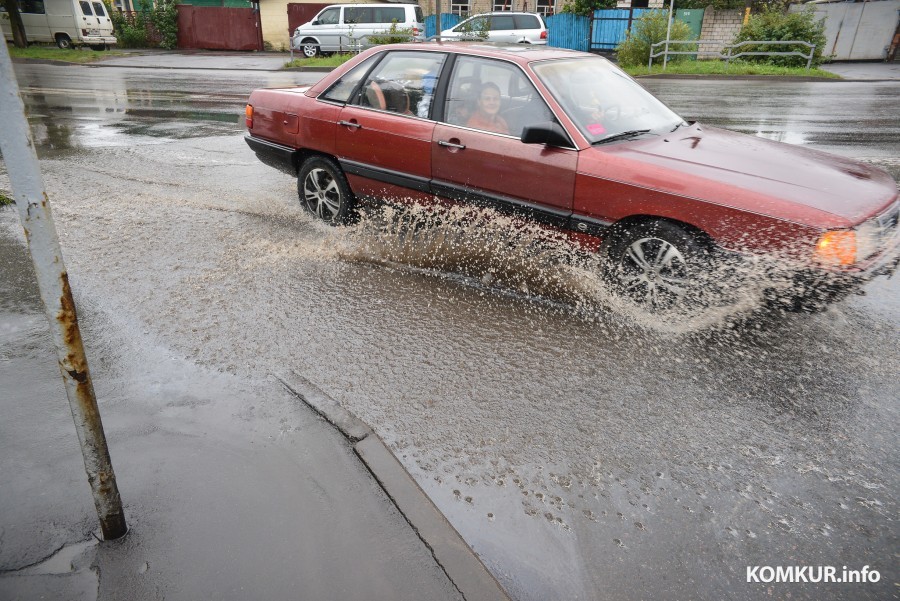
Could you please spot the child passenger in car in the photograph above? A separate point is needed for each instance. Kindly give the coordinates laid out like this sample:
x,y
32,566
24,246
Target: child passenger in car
x,y
486,115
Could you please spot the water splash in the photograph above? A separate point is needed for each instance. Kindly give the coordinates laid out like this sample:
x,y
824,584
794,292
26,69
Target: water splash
x,y
509,255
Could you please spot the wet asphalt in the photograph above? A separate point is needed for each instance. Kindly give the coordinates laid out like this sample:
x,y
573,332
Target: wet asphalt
x,y
583,456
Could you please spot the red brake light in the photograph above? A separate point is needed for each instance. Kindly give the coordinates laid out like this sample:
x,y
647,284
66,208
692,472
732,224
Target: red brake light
x,y
249,112
544,35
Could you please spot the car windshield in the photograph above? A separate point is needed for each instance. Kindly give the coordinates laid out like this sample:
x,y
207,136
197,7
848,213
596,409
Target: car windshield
x,y
603,101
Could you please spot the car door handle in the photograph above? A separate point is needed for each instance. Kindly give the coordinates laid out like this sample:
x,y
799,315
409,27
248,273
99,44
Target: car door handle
x,y
350,124
451,145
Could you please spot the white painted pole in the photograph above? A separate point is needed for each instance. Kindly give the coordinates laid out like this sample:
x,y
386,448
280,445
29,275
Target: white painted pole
x,y
668,34
53,282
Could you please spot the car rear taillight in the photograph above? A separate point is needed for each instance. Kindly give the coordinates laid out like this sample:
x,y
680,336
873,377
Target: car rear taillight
x,y
544,35
84,32
415,31
249,113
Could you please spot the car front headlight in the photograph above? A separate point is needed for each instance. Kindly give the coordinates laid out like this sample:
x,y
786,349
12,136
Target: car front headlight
x,y
847,247
837,247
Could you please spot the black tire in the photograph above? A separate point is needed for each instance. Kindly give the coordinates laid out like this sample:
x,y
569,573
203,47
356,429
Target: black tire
x,y
658,265
63,41
324,191
309,48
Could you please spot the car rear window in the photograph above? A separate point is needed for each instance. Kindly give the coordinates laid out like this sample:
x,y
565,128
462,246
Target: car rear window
x,y
98,9
527,22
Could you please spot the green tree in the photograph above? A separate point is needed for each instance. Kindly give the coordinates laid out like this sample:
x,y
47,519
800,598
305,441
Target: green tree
x,y
165,19
586,8
774,25
649,29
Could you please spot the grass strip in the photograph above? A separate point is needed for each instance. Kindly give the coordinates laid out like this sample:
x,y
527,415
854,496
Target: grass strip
x,y
71,55
737,67
334,60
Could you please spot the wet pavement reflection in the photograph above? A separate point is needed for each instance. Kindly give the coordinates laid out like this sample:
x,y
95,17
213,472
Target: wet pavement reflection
x,y
582,455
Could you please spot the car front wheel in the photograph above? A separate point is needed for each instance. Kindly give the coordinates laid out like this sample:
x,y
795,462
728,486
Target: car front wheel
x,y
309,48
324,191
658,265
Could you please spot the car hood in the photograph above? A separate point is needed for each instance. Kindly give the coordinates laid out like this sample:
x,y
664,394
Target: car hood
x,y
787,177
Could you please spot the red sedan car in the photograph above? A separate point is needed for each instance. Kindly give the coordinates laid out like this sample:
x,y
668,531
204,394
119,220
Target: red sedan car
x,y
569,140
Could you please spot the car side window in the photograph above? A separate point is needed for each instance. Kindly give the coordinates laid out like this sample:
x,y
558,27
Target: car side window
x,y
493,96
359,14
329,16
342,89
403,82
527,22
502,23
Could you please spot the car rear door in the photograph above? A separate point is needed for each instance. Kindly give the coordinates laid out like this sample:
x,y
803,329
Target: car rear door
x,y
384,134
493,168
502,29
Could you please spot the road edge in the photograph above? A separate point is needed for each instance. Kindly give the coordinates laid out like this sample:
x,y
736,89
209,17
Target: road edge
x,y
453,554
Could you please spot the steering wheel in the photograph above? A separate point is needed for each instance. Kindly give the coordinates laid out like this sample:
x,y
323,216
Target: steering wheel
x,y
612,112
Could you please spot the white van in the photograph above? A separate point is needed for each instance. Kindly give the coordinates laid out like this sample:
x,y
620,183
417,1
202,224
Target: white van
x,y
65,22
345,27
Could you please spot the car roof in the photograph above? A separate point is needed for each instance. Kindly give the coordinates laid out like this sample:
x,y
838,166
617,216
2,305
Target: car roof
x,y
520,53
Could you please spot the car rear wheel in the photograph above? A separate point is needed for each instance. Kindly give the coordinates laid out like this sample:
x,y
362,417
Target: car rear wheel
x,y
309,48
659,265
63,41
324,191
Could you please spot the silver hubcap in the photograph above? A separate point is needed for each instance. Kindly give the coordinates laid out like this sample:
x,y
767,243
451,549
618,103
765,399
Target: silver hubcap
x,y
309,50
321,194
654,271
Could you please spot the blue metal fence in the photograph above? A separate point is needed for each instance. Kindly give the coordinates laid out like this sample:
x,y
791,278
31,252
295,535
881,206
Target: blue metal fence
x,y
611,24
570,31
448,20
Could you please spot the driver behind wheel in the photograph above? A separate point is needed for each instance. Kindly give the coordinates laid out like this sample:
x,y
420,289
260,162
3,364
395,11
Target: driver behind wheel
x,y
588,109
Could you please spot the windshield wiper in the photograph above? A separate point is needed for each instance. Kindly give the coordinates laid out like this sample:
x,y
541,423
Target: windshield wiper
x,y
623,136
677,125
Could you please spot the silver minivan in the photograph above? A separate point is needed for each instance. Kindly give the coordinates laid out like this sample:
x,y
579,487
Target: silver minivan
x,y
347,27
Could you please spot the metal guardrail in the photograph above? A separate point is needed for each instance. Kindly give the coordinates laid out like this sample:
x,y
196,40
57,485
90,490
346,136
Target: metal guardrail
x,y
727,50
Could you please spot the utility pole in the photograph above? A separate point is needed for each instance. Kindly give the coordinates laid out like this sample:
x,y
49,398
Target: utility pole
x,y
53,282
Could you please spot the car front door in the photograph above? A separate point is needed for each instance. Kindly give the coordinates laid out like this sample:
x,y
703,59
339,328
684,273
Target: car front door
x,y
327,29
477,154
384,134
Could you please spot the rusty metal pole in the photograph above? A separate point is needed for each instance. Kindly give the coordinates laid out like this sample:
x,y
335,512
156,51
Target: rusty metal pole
x,y
53,282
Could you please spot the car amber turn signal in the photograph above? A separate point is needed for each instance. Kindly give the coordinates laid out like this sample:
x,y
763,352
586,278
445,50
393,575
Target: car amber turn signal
x,y
249,113
837,247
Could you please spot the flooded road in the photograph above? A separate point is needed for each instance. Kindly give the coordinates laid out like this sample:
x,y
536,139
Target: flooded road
x,y
582,455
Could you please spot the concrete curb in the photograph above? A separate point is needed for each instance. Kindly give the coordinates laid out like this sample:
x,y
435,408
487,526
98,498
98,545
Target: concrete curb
x,y
462,566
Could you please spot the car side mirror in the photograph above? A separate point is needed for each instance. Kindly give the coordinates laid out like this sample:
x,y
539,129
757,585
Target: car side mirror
x,y
549,133
315,22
